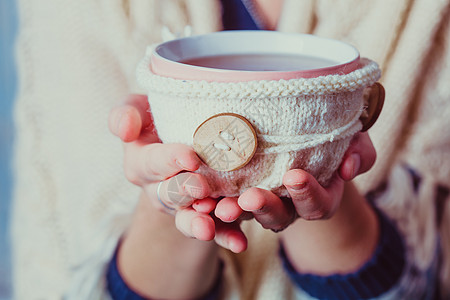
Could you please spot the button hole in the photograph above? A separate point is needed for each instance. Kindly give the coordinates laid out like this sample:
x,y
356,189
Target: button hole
x,y
226,135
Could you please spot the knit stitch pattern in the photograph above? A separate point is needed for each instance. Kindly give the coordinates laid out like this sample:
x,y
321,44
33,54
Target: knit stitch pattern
x,y
304,123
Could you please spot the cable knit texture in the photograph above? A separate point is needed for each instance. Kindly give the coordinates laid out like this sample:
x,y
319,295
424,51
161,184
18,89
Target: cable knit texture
x,y
300,123
77,59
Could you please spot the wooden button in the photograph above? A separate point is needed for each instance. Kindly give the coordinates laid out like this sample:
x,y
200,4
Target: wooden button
x,y
225,142
374,100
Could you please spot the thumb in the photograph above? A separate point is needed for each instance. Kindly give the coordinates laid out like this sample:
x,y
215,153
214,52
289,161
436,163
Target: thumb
x,y
310,199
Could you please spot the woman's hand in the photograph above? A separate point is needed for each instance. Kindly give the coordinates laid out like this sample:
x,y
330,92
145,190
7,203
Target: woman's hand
x,y
309,200
156,245
164,171
347,234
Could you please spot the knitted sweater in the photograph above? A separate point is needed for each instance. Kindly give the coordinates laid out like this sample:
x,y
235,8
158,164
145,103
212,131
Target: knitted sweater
x,y
77,59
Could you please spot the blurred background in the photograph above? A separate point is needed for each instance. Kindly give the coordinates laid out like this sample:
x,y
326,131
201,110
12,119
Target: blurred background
x,y
8,28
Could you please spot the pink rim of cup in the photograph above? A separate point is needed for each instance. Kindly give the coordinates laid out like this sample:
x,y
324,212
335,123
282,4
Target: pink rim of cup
x,y
165,58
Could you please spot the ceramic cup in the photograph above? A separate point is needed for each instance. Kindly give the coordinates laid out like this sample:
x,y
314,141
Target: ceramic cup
x,y
254,104
307,56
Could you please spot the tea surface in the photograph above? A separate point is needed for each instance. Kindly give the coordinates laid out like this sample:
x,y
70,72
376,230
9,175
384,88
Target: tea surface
x,y
261,62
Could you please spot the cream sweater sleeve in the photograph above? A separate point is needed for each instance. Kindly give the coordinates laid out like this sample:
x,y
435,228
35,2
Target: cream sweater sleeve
x,y
71,200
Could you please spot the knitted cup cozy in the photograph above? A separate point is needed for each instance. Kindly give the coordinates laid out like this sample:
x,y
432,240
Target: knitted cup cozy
x,y
304,123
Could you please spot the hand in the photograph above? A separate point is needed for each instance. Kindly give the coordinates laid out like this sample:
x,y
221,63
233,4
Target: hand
x,y
164,171
309,200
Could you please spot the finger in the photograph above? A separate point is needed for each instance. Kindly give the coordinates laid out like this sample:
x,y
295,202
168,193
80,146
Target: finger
x,y
195,224
228,210
311,200
367,152
230,236
182,189
155,162
359,157
267,208
178,192
205,205
350,166
127,120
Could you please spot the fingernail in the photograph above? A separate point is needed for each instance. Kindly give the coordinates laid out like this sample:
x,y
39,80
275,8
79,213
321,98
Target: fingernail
x,y
181,164
232,246
120,126
196,227
356,164
297,186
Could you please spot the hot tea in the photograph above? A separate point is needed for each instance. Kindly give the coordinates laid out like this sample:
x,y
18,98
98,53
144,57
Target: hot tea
x,y
261,62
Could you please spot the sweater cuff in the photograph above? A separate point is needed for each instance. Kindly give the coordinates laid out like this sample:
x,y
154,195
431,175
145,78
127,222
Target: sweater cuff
x,y
374,278
119,290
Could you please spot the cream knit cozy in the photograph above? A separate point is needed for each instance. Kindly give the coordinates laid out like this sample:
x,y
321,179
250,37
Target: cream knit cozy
x,y
304,123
